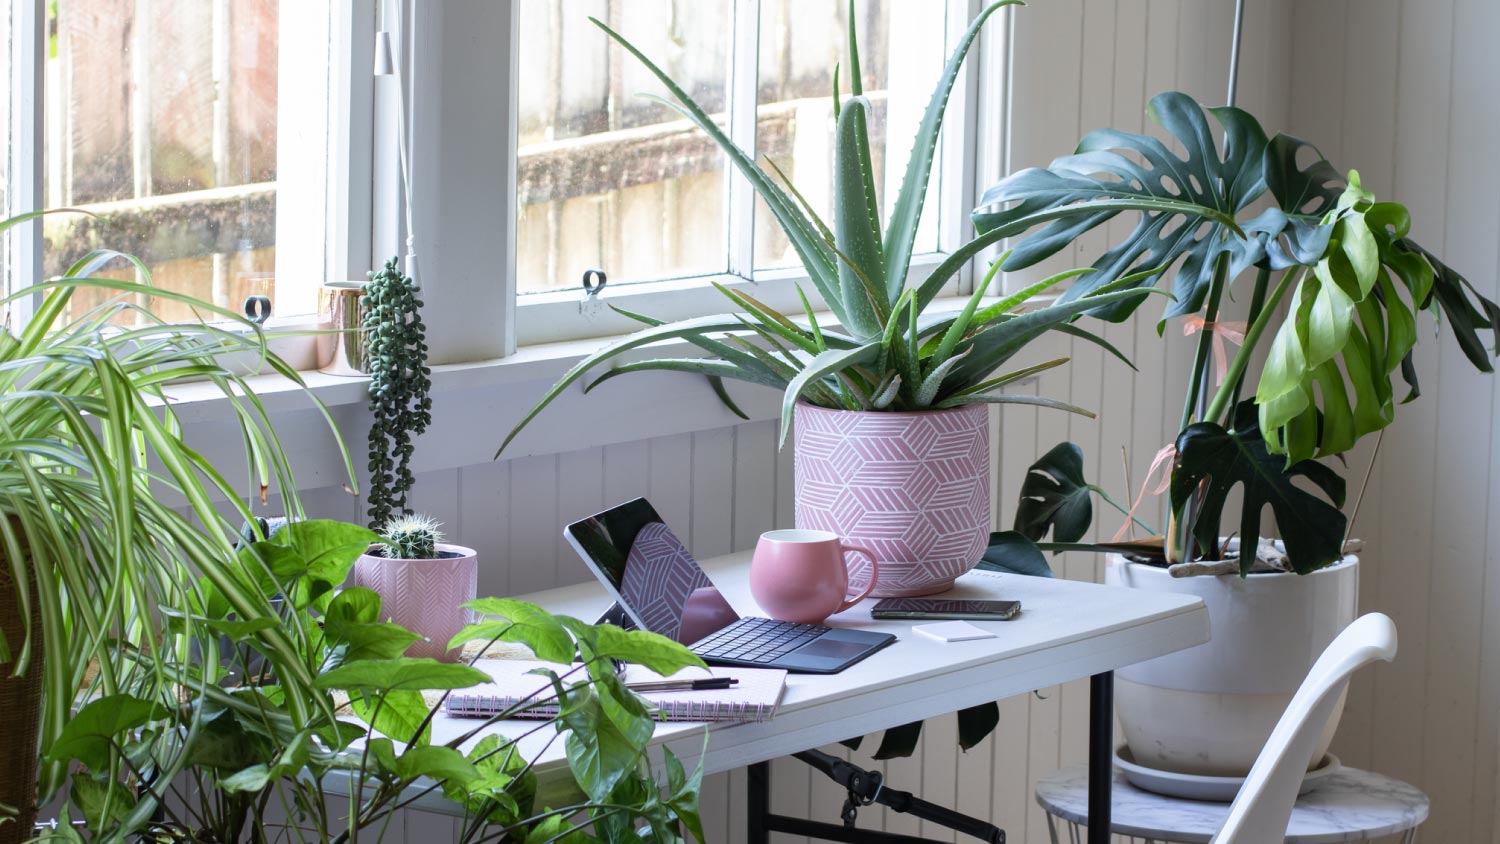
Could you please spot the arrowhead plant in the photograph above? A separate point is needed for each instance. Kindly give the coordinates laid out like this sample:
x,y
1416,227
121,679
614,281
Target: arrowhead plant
x,y
886,353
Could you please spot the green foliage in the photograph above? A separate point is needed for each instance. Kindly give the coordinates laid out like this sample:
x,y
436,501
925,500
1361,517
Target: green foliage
x,y
1312,527
1055,497
888,354
106,514
399,384
249,739
411,537
1356,282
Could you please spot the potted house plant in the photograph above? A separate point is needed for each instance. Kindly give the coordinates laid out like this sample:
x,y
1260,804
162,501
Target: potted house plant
x,y
246,752
422,581
891,441
95,548
1337,286
396,357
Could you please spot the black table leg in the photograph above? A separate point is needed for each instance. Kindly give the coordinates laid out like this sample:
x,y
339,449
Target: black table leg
x,y
1101,754
758,799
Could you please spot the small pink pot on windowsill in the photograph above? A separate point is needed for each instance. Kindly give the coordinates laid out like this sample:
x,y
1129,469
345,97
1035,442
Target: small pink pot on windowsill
x,y
424,596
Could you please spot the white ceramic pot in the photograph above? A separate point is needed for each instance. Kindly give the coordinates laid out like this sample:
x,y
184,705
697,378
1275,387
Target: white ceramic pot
x,y
424,596
1208,710
913,488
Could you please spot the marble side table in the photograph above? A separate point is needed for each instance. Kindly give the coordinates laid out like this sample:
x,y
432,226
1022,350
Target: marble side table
x,y
1350,805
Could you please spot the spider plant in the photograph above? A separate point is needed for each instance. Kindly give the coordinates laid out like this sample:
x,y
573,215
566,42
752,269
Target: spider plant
x,y
886,352
106,514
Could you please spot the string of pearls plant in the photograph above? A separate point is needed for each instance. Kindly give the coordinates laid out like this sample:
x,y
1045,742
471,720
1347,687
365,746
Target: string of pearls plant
x,y
399,385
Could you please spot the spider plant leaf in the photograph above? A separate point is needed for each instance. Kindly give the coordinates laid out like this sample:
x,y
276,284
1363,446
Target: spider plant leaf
x,y
825,364
1015,398
688,329
1206,190
856,239
901,234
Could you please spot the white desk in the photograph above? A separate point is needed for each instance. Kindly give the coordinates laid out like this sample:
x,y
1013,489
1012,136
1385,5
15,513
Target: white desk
x,y
1066,631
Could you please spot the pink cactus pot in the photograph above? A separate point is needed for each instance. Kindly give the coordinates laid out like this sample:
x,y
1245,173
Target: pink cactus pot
x,y
424,596
913,488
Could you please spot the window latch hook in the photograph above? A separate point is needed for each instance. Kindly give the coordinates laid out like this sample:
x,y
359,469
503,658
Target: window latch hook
x,y
593,282
258,309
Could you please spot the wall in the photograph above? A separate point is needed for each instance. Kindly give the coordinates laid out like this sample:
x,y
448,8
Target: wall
x,y
1405,92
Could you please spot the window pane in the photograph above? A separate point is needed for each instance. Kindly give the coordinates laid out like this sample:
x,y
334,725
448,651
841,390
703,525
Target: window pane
x,y
901,55
161,117
606,178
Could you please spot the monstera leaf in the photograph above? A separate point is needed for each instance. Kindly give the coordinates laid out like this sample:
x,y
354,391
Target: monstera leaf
x,y
1311,527
1198,195
1055,497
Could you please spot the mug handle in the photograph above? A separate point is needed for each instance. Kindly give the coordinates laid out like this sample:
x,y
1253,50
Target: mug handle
x,y
874,576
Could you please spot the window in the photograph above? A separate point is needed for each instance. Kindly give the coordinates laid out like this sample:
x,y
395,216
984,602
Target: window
x,y
199,134
610,180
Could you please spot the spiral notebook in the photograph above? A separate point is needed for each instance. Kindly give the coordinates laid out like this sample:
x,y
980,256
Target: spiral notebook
x,y
754,698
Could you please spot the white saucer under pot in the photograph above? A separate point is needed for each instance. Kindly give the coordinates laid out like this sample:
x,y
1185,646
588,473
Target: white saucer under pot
x,y
1208,710
1200,787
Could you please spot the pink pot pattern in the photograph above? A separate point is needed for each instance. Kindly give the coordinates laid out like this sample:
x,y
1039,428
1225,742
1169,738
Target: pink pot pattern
x,y
424,596
911,487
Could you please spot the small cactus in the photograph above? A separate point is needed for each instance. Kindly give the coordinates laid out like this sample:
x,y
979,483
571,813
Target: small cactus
x,y
411,537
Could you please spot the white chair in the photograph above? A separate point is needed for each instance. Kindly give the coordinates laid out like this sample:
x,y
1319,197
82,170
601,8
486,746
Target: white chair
x,y
1353,804
1261,810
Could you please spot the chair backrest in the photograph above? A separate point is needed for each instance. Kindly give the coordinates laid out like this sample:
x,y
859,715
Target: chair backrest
x,y
1263,807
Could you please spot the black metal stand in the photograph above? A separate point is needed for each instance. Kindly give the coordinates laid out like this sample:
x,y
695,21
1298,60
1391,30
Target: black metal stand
x,y
1101,754
864,788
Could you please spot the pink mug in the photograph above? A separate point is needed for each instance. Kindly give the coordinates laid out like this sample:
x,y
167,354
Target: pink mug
x,y
801,576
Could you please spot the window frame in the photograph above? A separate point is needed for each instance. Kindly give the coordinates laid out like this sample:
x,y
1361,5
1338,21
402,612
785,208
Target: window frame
x,y
343,196
568,314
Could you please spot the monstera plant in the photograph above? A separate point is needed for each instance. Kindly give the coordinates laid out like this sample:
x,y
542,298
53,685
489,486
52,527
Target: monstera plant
x,y
1336,285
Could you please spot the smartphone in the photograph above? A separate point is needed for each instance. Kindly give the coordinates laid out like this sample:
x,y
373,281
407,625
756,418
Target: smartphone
x,y
941,608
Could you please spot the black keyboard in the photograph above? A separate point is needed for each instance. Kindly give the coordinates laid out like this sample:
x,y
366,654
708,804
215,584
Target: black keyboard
x,y
757,640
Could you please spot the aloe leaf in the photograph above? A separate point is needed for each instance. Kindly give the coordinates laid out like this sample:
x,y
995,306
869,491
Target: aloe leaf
x,y
815,257
934,380
862,143
1084,334
772,319
684,329
717,383
802,202
1010,377
698,366
1015,398
825,364
907,212
854,235
887,392
960,324
812,320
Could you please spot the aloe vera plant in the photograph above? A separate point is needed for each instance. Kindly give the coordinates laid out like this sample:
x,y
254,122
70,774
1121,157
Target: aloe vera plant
x,y
1352,278
886,353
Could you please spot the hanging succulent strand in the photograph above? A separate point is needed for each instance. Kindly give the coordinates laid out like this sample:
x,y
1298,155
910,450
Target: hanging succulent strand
x,y
399,385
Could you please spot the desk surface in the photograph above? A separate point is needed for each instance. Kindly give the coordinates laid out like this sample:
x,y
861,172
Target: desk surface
x,y
1066,630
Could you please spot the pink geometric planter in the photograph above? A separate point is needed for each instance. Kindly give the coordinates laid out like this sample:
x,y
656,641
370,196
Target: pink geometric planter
x,y
424,596
911,487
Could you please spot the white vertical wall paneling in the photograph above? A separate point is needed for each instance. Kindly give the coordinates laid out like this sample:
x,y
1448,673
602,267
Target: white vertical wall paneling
x,y
1368,132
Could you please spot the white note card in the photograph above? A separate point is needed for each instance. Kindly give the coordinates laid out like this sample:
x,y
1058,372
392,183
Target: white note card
x,y
952,631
